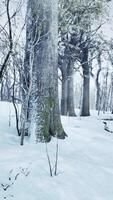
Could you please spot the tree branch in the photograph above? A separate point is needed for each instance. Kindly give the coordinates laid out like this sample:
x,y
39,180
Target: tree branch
x,y
4,65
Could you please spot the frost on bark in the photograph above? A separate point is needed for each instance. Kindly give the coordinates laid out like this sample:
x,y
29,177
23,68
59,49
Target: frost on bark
x,y
42,94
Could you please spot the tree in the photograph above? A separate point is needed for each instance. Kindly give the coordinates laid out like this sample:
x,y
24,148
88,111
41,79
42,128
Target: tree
x,y
63,68
77,24
98,89
10,44
41,66
85,110
67,99
70,88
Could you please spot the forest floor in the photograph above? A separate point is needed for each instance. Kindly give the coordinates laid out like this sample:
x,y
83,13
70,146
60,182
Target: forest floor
x,y
85,163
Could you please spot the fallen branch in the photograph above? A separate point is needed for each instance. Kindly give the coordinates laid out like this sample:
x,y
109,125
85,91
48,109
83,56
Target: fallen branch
x,y
106,128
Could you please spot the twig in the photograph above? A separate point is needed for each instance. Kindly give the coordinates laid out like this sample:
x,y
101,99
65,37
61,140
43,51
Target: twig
x,y
49,162
56,161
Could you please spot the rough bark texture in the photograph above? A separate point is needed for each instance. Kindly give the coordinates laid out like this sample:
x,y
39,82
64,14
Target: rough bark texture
x,y
43,82
85,111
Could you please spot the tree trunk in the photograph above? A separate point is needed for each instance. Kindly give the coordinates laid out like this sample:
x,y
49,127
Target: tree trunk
x,y
111,102
98,84
85,111
63,67
14,104
64,95
44,115
70,89
1,91
105,94
25,77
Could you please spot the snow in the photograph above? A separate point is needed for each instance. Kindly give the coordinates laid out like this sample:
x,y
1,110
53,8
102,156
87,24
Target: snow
x,y
85,164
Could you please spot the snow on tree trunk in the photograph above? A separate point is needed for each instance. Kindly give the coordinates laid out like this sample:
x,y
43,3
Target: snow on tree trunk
x,y
43,70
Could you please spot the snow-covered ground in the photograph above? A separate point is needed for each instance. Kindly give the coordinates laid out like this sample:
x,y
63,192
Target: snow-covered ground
x,y
85,164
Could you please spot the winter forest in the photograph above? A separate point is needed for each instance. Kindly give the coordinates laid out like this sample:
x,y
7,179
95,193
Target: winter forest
x,y
56,99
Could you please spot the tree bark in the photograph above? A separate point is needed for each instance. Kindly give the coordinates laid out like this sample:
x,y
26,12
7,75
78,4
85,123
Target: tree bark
x,y
98,84
44,116
105,93
25,77
63,68
70,89
1,91
64,95
14,104
85,111
67,101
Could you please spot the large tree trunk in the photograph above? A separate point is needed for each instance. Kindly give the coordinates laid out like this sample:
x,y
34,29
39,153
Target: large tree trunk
x,y
44,115
85,111
70,89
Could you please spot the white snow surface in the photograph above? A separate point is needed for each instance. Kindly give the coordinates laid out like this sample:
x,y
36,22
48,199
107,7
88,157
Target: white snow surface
x,y
85,163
